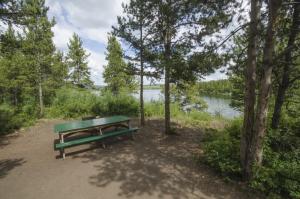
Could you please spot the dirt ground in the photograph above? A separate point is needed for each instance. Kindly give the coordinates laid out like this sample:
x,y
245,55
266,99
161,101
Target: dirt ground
x,y
151,166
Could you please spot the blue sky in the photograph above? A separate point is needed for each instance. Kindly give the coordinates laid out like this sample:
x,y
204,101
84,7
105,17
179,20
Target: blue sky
x,y
91,20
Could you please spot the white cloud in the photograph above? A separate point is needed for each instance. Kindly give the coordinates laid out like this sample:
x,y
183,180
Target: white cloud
x,y
218,74
62,35
96,63
91,20
92,13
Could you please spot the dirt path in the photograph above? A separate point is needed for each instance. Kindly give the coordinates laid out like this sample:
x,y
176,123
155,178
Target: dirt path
x,y
152,166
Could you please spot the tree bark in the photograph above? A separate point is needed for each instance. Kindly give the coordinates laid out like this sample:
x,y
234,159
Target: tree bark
x,y
167,83
285,82
142,79
265,85
39,84
41,99
167,101
279,102
250,97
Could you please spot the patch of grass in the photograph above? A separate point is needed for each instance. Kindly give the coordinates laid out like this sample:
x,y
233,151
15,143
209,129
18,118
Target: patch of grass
x,y
192,118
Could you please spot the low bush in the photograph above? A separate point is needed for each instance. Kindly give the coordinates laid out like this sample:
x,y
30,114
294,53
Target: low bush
x,y
279,174
157,109
8,121
193,117
109,104
154,109
221,149
12,118
74,103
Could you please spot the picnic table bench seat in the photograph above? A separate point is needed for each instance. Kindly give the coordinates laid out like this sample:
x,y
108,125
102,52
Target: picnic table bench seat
x,y
94,138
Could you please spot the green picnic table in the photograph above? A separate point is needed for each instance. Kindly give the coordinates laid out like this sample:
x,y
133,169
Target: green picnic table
x,y
120,123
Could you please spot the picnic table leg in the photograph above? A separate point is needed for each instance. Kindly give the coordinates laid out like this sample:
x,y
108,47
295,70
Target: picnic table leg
x,y
62,151
100,132
132,133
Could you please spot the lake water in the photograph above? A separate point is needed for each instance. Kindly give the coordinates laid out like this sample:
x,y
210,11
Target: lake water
x,y
215,105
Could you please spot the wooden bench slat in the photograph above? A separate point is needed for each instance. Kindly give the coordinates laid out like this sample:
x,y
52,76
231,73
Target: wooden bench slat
x,y
88,124
93,138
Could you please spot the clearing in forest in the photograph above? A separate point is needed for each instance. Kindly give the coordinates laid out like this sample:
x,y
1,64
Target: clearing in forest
x,y
152,166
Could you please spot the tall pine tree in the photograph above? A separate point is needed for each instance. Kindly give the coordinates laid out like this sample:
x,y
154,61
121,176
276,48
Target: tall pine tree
x,y
134,29
77,62
179,26
12,81
38,48
116,71
12,12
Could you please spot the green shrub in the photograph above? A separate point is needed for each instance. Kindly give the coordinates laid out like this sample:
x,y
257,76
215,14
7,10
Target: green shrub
x,y
279,175
109,104
200,116
193,117
154,109
8,121
74,103
221,149
280,172
11,118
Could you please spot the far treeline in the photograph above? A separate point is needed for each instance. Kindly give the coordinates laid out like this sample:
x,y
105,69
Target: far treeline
x,y
177,42
217,88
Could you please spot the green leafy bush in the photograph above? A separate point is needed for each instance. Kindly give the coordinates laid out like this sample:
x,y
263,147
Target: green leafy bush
x,y
154,109
11,118
221,149
74,103
280,172
279,175
194,117
8,121
109,104
200,116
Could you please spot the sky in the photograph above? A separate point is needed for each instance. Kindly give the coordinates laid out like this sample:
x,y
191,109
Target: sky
x,y
91,20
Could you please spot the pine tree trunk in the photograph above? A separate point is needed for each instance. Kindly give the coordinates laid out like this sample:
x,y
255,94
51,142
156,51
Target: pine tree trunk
x,y
285,82
265,86
278,103
142,79
41,99
142,93
249,100
167,100
40,88
167,84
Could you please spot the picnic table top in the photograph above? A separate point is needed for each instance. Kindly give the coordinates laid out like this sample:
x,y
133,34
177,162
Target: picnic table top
x,y
84,124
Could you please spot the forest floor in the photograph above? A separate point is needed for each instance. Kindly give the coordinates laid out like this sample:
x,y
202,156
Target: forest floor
x,y
151,166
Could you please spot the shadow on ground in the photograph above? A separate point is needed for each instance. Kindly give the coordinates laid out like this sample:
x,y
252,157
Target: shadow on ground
x,y
159,165
6,139
8,165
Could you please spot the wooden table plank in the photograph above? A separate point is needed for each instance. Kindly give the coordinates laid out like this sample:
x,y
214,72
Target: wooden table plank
x,y
78,125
